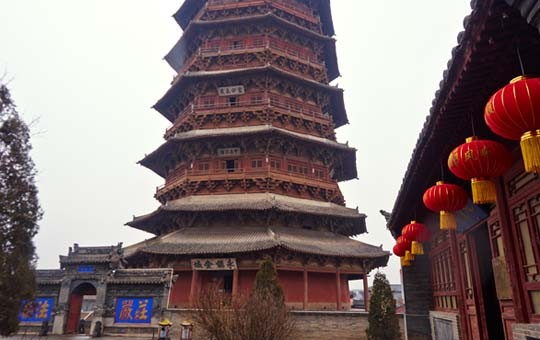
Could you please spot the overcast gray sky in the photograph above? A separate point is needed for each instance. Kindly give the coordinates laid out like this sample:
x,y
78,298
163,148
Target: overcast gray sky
x,y
89,71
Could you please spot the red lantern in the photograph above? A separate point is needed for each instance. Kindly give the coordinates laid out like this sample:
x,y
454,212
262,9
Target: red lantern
x,y
513,112
418,233
445,198
399,250
478,160
405,244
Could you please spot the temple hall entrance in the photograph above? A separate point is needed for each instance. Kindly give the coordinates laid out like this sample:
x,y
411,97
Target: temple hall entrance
x,y
487,301
75,306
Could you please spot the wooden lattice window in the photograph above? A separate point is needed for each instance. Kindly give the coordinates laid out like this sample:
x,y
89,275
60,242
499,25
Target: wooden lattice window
x,y
526,220
257,163
443,277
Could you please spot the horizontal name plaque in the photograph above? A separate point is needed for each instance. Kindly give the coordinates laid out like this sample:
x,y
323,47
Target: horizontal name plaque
x,y
231,90
226,152
214,264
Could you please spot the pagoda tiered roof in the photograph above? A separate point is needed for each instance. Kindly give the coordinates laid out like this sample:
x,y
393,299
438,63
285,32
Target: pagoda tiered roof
x,y
190,8
260,202
178,54
158,159
231,240
337,110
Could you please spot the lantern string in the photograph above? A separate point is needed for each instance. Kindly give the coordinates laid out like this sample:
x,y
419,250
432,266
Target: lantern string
x,y
518,51
472,125
442,170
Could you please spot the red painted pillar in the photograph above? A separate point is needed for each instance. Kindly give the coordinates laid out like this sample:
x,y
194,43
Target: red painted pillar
x,y
305,305
194,287
338,288
366,293
235,282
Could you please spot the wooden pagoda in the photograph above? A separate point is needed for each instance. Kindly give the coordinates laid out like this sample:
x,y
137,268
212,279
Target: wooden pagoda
x,y
251,163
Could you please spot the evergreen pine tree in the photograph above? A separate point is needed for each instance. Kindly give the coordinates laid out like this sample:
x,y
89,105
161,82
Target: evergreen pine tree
x,y
383,322
19,214
266,281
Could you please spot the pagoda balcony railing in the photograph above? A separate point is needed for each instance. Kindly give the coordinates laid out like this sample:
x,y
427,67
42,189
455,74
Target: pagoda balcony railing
x,y
284,5
298,110
254,46
246,173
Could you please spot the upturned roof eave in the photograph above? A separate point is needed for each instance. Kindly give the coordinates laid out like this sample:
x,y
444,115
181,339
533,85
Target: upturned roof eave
x,y
189,9
458,68
154,160
339,113
176,54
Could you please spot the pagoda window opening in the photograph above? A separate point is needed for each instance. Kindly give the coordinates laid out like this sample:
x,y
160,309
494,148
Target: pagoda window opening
x,y
275,164
256,99
230,165
237,44
208,102
233,101
257,163
203,167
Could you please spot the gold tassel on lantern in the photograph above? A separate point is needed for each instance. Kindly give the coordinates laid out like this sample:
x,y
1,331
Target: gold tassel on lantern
x,y
417,248
404,263
447,221
530,149
483,191
408,256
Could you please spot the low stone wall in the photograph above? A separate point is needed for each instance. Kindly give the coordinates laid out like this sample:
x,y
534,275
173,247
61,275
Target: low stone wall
x,y
312,325
526,331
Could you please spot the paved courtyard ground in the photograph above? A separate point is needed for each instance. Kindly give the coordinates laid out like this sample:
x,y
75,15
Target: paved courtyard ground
x,y
68,337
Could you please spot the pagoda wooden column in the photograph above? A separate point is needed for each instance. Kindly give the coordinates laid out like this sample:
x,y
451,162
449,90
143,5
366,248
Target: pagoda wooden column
x,y
235,282
305,304
338,288
194,287
366,293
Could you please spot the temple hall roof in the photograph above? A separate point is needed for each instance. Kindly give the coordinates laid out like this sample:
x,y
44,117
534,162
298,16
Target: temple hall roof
x,y
483,61
100,254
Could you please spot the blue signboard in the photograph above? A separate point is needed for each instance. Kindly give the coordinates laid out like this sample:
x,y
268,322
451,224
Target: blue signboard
x,y
133,310
85,269
37,310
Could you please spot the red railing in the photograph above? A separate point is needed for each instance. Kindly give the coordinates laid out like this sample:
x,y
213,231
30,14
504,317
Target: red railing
x,y
228,47
241,173
289,6
273,101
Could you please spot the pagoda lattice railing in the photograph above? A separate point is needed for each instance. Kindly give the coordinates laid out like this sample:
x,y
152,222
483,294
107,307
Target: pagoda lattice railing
x,y
246,173
280,104
291,7
259,44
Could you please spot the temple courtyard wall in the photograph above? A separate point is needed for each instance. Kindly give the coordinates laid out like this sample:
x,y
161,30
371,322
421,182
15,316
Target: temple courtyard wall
x,y
311,325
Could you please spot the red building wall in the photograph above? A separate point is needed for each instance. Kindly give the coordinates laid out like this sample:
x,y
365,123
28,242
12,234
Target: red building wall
x,y
322,287
292,283
180,290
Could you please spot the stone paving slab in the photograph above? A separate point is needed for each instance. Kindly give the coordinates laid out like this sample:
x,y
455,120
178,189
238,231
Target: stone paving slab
x,y
69,337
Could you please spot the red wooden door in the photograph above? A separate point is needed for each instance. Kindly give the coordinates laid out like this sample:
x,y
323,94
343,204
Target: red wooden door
x,y
471,304
74,314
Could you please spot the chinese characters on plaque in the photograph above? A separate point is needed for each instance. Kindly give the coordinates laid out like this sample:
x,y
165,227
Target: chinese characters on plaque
x,y
133,310
213,264
226,152
36,310
231,90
